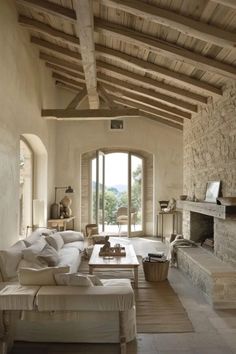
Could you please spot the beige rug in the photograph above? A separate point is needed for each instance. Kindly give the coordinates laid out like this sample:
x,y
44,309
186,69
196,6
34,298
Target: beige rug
x,y
158,307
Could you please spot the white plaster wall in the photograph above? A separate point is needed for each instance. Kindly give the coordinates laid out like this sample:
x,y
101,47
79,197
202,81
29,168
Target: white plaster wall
x,y
165,143
25,86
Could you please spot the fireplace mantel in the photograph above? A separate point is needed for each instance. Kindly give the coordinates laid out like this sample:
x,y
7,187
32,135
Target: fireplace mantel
x,y
211,209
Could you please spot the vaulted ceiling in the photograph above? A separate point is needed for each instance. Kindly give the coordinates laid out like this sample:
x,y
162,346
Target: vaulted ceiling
x,y
160,59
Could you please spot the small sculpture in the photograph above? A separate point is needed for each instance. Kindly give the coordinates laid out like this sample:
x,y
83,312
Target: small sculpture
x,y
65,210
107,245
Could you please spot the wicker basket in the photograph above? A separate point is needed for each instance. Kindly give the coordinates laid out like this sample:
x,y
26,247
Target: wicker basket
x,y
156,271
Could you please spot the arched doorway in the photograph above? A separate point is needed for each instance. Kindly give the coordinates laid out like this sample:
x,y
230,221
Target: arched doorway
x,y
126,180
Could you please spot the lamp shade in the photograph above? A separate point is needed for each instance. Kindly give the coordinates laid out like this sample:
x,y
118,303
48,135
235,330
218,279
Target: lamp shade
x,y
69,189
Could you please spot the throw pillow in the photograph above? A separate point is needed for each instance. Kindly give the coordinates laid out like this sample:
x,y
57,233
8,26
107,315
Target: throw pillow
x,y
49,256
73,279
56,241
29,276
30,253
35,265
9,260
95,280
71,236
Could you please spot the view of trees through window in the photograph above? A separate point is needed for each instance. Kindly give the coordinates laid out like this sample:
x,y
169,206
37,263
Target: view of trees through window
x,y
116,186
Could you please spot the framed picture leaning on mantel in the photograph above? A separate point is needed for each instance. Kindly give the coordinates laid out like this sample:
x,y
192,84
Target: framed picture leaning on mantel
x,y
212,191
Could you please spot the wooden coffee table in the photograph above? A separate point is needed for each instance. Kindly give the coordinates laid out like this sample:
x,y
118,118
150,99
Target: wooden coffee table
x,y
122,262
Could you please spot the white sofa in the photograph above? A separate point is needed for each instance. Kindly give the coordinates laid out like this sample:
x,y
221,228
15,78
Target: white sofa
x,y
64,313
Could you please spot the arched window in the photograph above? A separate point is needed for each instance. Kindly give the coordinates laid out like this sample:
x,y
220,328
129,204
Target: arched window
x,y
26,187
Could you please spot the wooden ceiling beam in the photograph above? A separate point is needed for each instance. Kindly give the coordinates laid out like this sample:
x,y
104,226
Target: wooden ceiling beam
x,y
72,85
183,24
129,87
143,65
228,3
147,92
109,101
50,7
147,101
60,77
84,11
138,79
89,114
56,48
145,109
50,31
163,73
162,47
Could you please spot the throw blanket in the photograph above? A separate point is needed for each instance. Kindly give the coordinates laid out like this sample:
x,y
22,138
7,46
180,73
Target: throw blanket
x,y
179,242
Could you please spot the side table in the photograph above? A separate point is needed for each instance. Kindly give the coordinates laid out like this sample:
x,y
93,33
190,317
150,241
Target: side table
x,y
160,220
58,223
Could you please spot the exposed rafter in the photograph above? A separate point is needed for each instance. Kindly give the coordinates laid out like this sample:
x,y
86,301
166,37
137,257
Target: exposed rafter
x,y
84,10
88,114
184,24
162,72
140,64
109,101
229,3
50,7
158,46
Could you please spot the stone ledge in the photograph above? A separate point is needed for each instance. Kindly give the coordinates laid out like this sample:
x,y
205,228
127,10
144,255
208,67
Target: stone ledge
x,y
215,278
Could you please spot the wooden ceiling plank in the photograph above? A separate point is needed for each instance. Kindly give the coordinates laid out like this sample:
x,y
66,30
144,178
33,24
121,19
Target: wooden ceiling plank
x,y
84,11
78,98
228,3
183,24
45,29
89,114
50,7
160,71
147,92
109,101
148,101
162,47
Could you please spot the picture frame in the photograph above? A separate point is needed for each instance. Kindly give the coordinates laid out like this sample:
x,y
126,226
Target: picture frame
x,y
212,191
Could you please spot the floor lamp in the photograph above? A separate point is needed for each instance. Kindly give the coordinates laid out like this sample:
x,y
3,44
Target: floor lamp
x,y
55,209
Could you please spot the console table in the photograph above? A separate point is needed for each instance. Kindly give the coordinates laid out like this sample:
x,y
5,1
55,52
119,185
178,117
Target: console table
x,y
58,223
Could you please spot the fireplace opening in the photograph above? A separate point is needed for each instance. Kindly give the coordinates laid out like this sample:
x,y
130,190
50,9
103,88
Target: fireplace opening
x,y
202,230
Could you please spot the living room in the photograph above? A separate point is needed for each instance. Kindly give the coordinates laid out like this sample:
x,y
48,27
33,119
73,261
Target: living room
x,y
180,154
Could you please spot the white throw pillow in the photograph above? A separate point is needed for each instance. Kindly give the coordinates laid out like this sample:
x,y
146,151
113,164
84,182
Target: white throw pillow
x,y
9,260
29,276
73,279
48,256
95,280
56,241
30,253
71,236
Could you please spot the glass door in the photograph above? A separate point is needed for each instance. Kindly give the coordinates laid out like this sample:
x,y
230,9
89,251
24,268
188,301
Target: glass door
x,y
98,190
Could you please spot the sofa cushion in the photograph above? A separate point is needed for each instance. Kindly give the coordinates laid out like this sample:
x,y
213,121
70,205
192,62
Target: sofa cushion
x,y
35,265
36,235
71,236
70,256
55,241
48,256
77,244
74,279
95,280
30,253
9,260
29,276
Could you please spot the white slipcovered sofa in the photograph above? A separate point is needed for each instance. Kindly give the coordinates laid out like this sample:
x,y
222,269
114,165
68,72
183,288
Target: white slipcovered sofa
x,y
61,313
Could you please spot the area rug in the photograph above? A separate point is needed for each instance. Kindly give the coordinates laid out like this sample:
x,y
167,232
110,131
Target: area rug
x,y
158,307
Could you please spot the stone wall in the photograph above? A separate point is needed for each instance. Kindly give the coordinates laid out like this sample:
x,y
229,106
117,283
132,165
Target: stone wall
x,y
210,154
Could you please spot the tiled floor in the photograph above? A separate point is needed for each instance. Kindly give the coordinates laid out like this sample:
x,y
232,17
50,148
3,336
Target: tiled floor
x,y
215,331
